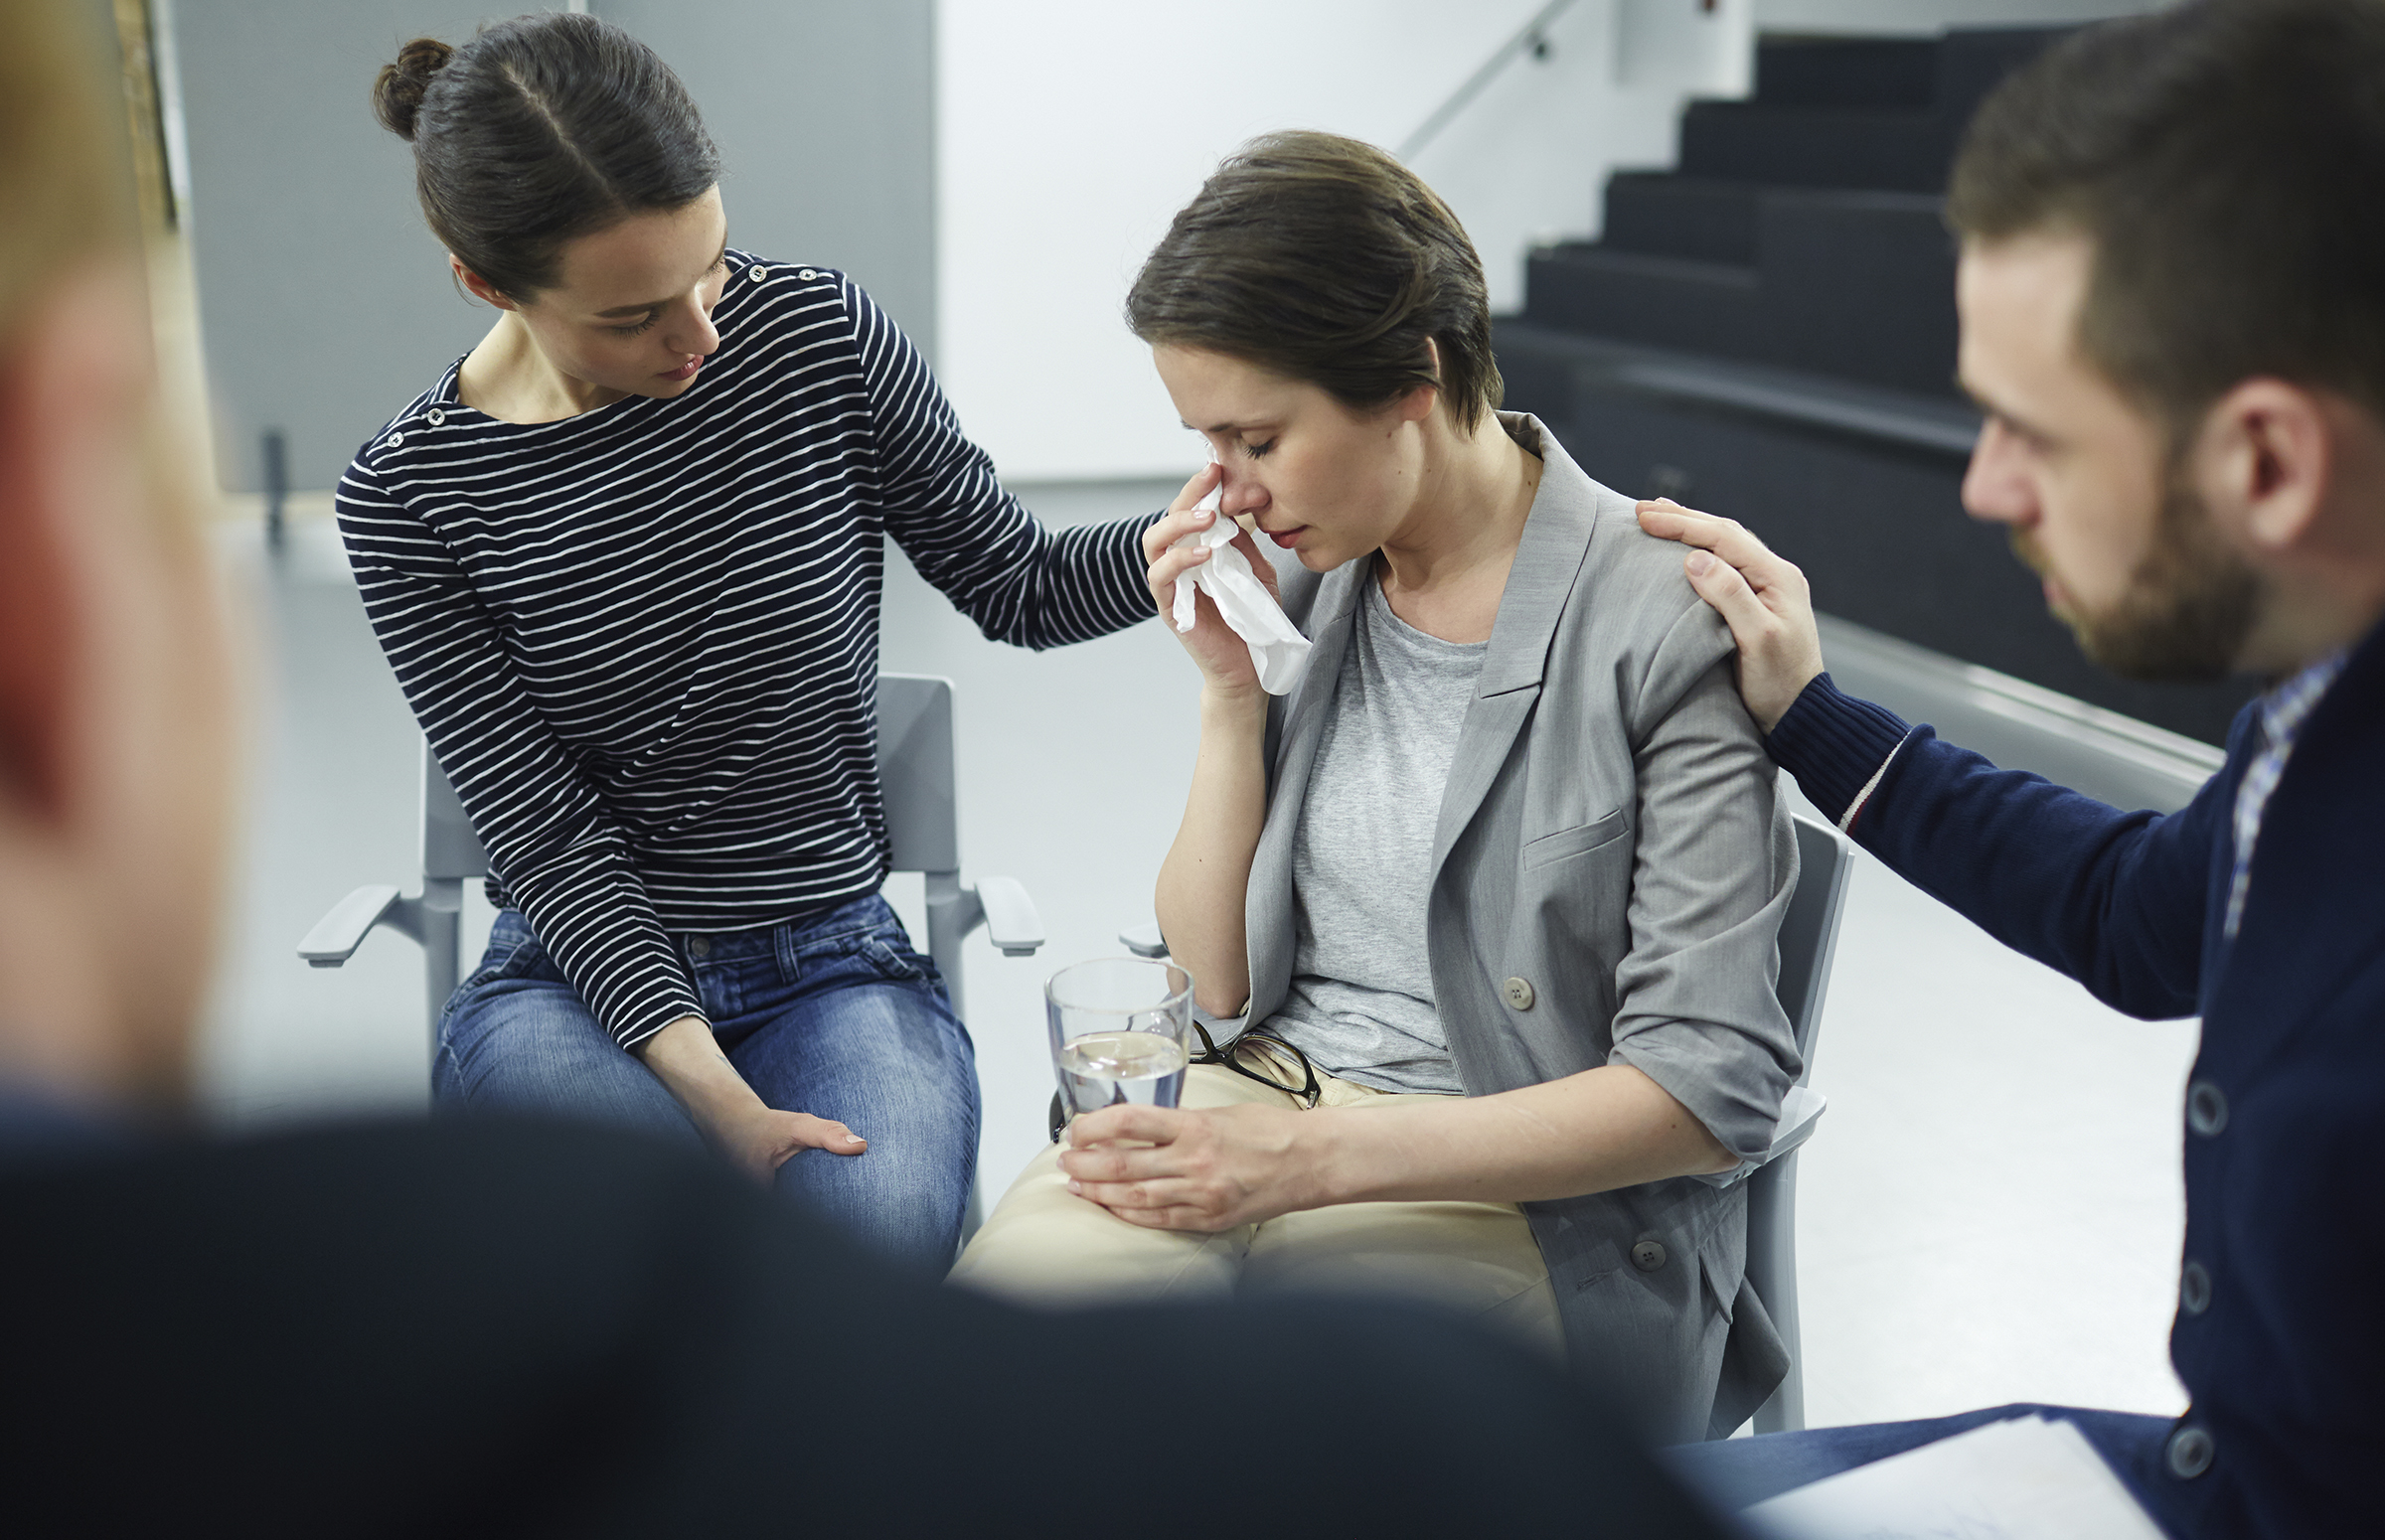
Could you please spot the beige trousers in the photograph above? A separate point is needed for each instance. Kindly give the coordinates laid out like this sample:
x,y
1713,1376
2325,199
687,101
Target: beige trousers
x,y
1043,1245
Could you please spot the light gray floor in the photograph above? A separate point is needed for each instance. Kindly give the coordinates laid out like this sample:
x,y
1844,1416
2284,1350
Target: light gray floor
x,y
1989,1212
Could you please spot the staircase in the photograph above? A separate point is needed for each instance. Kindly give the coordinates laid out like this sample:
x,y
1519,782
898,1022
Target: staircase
x,y
1768,331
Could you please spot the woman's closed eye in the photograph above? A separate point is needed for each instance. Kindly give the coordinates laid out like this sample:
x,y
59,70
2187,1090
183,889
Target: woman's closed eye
x,y
1258,452
635,328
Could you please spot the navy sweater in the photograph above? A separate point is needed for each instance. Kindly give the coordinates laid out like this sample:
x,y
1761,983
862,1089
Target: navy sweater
x,y
2278,1338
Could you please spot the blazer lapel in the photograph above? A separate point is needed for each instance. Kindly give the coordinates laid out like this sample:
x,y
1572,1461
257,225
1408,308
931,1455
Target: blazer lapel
x,y
1549,562
1268,920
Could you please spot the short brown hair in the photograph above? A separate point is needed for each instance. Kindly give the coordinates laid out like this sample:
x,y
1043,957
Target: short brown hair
x,y
2226,159
1325,259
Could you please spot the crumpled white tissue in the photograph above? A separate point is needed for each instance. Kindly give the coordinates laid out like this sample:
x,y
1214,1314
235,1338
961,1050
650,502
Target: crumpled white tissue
x,y
1277,649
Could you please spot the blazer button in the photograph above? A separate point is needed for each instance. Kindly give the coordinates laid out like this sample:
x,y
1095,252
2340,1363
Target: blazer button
x,y
1648,1256
2206,1109
1518,993
2188,1454
2194,1289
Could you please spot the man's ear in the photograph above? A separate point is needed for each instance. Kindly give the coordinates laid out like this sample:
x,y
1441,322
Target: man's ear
x,y
479,287
2265,461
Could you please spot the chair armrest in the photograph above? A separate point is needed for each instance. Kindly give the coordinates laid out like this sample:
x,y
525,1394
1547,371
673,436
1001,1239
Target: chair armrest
x,y
1011,923
339,933
1800,1109
1143,940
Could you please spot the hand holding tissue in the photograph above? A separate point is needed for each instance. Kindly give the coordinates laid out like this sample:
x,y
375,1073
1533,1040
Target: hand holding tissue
x,y
1277,649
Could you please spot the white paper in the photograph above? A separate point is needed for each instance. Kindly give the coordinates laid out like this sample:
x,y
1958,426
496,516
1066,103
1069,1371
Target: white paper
x,y
1277,649
2024,1478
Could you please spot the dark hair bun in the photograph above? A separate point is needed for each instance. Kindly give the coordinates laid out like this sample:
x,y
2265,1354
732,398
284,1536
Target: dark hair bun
x,y
398,89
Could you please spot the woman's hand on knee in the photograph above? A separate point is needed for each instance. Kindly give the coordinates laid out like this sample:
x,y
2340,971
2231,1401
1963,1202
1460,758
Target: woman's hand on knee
x,y
760,1142
753,1136
1167,1168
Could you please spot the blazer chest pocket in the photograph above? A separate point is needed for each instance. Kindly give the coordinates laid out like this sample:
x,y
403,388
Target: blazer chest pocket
x,y
1574,841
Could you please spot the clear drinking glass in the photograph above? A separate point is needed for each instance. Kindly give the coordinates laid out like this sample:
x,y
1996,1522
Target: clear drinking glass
x,y
1120,1026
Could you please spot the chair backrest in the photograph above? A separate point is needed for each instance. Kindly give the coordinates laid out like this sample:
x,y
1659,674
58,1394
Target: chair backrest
x,y
1810,931
914,772
450,848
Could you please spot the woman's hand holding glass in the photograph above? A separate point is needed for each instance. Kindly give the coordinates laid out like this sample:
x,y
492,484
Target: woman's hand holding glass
x,y
1224,657
1170,1168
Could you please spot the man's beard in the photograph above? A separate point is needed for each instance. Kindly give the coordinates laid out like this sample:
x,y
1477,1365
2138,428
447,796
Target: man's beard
x,y
2188,608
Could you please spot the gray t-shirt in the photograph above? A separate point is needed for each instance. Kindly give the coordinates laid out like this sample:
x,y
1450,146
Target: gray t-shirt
x,y
1361,998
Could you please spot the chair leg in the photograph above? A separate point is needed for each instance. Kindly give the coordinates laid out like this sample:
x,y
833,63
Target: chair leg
x,y
1772,1261
443,937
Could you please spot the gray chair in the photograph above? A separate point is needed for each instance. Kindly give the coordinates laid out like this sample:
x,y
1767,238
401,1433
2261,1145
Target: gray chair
x,y
915,772
1808,937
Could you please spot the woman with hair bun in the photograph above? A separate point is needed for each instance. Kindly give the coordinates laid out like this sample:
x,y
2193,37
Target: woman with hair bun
x,y
1496,885
624,557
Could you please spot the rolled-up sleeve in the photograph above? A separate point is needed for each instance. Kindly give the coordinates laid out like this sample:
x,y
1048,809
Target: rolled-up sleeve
x,y
1714,866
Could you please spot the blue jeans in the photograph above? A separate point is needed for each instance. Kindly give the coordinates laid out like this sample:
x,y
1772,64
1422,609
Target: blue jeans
x,y
1731,1474
838,1017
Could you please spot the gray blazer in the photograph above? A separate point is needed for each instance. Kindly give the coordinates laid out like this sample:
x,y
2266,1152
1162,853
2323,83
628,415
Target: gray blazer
x,y
1609,874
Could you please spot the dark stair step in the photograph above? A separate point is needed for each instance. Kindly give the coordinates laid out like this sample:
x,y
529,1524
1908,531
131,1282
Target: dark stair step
x,y
1855,112
1795,71
1971,61
1748,141
1858,284
1669,301
1664,214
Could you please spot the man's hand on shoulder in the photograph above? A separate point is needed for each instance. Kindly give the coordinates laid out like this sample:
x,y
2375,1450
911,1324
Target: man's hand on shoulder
x,y
1763,597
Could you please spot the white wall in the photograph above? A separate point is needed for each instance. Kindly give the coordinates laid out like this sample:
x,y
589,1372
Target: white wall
x,y
1070,131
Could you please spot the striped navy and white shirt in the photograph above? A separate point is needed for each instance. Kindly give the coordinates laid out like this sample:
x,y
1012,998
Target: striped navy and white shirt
x,y
643,641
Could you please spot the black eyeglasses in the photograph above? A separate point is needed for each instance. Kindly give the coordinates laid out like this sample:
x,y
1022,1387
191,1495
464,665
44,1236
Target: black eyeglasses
x,y
1308,1092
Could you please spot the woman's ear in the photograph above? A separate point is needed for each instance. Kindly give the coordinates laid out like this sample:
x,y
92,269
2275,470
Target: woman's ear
x,y
477,286
1419,402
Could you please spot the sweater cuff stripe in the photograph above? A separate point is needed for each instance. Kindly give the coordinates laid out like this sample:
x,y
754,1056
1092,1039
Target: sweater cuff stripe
x,y
1838,747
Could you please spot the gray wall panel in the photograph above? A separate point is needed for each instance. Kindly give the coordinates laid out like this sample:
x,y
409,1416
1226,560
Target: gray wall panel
x,y
325,304
825,114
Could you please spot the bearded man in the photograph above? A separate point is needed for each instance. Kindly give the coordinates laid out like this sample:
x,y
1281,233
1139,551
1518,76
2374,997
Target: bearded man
x,y
2172,288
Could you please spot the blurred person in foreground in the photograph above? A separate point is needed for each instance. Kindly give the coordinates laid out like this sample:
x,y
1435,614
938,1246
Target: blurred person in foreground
x,y
509,1328
2173,297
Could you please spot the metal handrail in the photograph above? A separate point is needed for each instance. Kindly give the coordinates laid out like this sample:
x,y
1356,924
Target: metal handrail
x,y
1532,39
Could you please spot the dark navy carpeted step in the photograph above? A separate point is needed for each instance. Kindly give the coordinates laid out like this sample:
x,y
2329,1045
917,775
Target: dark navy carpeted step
x,y
1858,284
1662,214
1746,141
1817,71
1673,302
